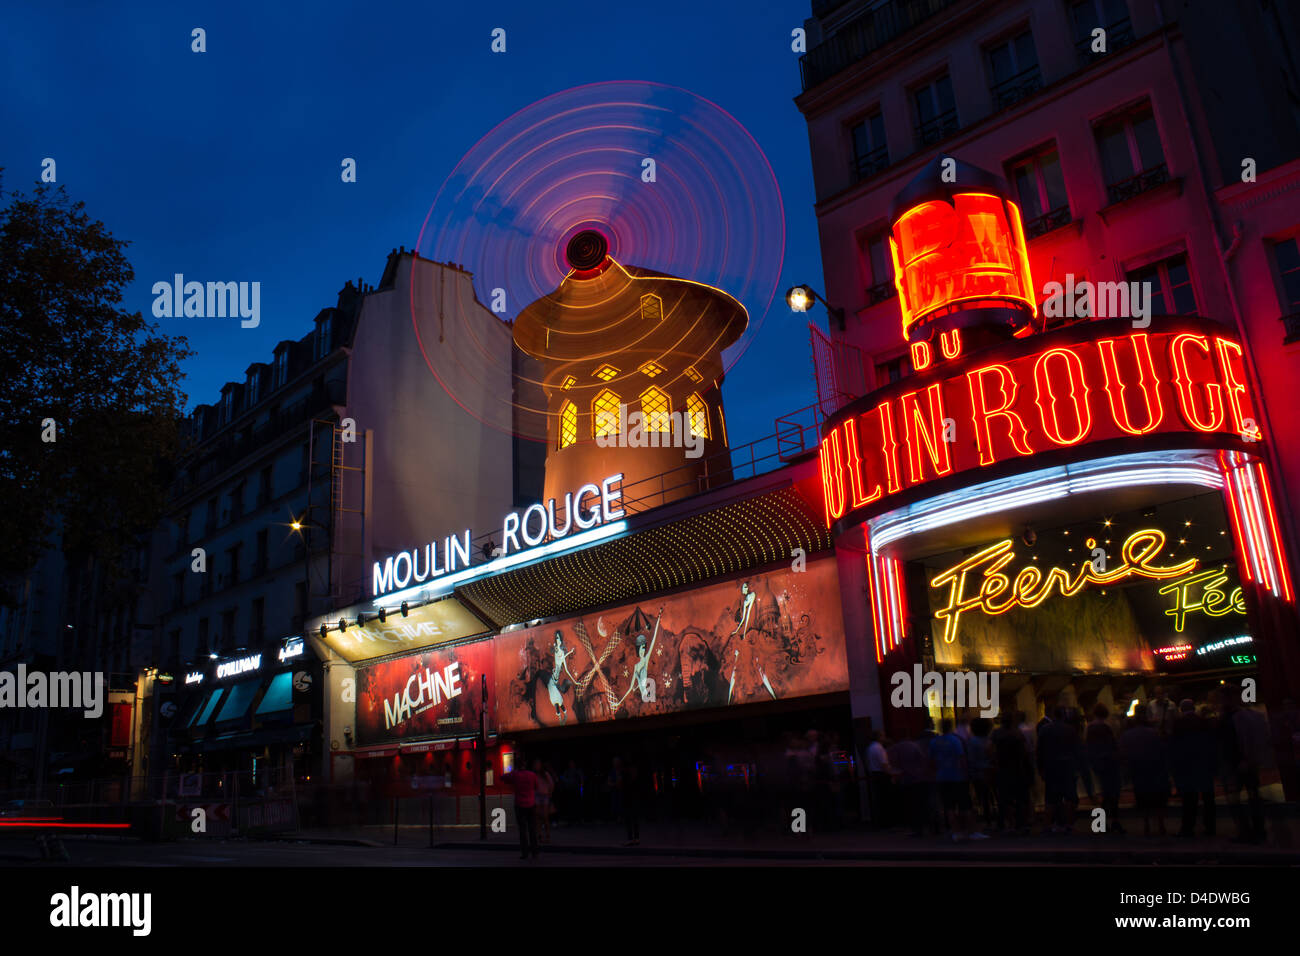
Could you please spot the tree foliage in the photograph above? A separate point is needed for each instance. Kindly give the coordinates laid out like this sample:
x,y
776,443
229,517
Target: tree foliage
x,y
109,380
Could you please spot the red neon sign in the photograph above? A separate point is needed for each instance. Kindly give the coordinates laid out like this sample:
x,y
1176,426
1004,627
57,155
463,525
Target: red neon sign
x,y
1068,394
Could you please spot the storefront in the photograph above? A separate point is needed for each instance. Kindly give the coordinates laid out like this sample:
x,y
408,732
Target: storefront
x,y
1085,513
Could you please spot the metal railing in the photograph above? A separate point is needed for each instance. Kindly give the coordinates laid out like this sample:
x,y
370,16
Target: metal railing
x,y
869,164
1016,88
1052,219
881,292
1137,184
1118,35
863,35
937,128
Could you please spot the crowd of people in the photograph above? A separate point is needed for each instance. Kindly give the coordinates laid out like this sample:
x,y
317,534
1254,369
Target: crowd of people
x,y
974,776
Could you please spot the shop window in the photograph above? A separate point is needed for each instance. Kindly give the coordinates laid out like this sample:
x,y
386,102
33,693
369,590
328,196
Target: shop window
x,y
698,412
568,424
870,154
1013,70
1040,190
657,409
652,307
1171,286
1132,159
606,414
605,372
936,110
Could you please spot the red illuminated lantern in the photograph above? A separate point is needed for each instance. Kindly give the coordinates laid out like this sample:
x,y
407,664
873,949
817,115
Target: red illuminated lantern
x,y
959,254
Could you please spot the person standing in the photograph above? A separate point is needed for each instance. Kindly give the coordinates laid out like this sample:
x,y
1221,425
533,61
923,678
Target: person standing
x,y
545,794
1061,761
1251,732
880,779
1013,772
524,784
979,751
626,783
952,773
1143,753
1193,758
1102,750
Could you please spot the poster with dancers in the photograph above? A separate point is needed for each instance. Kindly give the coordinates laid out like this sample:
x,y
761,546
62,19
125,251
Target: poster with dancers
x,y
756,637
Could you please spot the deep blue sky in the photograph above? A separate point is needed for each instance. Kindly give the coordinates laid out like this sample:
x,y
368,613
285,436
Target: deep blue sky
x,y
225,165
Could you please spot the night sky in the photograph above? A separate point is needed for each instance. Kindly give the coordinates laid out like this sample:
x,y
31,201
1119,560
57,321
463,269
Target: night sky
x,y
225,165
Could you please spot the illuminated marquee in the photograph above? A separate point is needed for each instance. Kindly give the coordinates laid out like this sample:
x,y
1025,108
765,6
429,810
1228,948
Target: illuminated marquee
x,y
1104,382
592,505
1203,592
997,593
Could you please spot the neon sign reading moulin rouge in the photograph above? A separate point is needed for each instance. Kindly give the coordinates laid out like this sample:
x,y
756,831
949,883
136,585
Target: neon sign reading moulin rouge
x,y
1031,587
1124,385
590,506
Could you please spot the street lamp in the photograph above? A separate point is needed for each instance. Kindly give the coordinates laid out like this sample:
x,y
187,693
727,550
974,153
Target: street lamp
x,y
800,298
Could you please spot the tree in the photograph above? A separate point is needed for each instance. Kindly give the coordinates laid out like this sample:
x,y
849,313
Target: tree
x,y
102,381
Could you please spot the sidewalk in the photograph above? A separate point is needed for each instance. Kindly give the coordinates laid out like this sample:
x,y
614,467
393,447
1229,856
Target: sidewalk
x,y
700,840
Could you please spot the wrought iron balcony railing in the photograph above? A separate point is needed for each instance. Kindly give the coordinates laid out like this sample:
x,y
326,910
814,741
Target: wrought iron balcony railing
x,y
1118,35
1138,184
940,127
1016,88
863,35
1052,219
867,165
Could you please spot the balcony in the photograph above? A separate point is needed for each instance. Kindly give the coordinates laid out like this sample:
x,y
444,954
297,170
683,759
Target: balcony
x,y
882,292
940,127
1144,181
1292,325
1047,222
869,164
863,35
1118,35
1016,88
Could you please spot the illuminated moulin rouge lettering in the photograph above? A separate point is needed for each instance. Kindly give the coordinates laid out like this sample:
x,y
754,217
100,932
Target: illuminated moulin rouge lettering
x,y
1117,387
1032,587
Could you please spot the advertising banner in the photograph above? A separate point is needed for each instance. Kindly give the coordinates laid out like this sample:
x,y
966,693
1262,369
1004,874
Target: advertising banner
x,y
435,693
436,623
754,638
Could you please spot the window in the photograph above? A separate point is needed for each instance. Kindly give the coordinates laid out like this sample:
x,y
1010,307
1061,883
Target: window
x,y
1171,286
281,367
568,383
250,389
890,371
1013,69
936,110
1109,15
264,486
693,374
607,414
657,409
233,557
178,590
227,639
881,264
605,372
203,636
1040,190
211,523
698,413
228,406
870,155
568,424
259,564
257,629
237,501
1286,255
1132,160
651,369
174,647
323,330
652,307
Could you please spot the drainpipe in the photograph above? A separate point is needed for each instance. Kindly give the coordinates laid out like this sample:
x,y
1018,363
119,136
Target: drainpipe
x,y
1226,254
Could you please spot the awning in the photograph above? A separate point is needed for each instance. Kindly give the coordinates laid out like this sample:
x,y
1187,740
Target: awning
x,y
368,752
278,696
204,713
259,738
239,700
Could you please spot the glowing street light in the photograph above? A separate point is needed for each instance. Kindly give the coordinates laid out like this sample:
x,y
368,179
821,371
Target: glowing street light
x,y
800,298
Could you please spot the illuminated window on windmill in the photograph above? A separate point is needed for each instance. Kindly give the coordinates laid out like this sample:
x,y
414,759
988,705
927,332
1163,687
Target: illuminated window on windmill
x,y
605,372
698,413
568,383
568,424
605,414
652,307
657,410
651,369
693,375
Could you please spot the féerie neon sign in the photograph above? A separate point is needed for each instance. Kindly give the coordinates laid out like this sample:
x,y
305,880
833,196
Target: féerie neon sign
x,y
1032,587
1213,600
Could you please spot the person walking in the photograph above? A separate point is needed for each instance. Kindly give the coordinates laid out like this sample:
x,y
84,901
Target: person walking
x,y
1143,754
545,795
524,784
1193,758
1102,750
